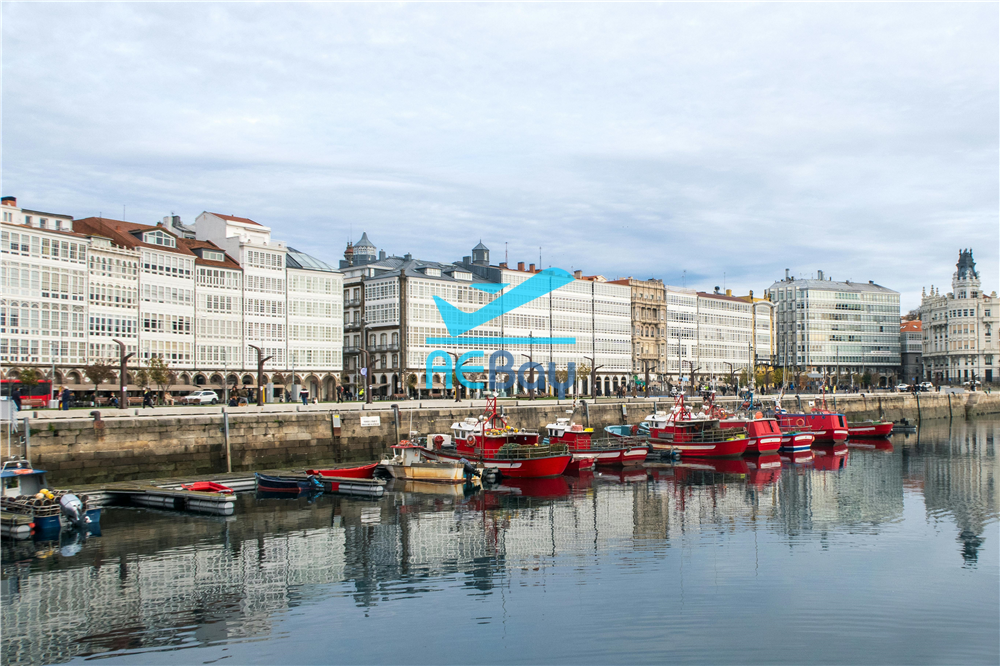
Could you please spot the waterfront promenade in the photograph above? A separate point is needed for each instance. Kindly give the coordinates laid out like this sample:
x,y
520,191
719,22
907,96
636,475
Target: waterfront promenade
x,y
135,444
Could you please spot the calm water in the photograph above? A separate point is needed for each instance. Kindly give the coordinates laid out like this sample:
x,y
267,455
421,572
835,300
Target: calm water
x,y
886,555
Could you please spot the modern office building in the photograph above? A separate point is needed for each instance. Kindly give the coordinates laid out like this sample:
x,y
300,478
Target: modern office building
x,y
827,328
960,329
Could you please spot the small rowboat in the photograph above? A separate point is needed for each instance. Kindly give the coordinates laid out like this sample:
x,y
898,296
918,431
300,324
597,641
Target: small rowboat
x,y
286,484
362,472
208,487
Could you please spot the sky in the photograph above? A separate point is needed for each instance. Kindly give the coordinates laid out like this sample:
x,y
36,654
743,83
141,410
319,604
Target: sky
x,y
702,144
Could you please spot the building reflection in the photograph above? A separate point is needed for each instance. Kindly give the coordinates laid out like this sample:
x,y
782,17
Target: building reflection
x,y
159,580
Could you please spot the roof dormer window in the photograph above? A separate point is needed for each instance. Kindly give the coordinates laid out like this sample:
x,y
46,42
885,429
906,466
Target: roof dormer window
x,y
159,238
212,255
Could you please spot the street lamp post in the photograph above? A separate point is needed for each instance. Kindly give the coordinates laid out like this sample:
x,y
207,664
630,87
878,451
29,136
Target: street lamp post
x,y
122,374
455,387
261,360
531,365
731,379
593,376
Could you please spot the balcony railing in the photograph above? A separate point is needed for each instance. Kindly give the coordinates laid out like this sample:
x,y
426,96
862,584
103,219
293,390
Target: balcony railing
x,y
352,326
352,302
384,348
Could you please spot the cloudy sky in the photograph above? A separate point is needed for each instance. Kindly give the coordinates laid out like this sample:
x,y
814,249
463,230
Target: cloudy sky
x,y
705,144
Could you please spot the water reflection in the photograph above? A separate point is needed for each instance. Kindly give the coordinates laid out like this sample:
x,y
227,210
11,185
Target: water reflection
x,y
163,581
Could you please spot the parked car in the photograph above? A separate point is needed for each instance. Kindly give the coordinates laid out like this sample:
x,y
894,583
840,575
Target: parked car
x,y
902,388
926,386
202,397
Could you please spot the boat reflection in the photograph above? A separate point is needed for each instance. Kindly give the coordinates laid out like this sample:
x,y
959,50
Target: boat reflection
x,y
622,475
830,457
542,488
871,444
798,458
763,470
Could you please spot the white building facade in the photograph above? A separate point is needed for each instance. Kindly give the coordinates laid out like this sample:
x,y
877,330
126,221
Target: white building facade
x,y
960,329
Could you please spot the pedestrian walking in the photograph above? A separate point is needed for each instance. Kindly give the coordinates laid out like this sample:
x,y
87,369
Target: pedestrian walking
x,y
147,399
304,394
65,398
15,396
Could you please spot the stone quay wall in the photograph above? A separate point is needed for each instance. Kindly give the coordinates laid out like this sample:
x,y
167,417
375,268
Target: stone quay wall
x,y
133,444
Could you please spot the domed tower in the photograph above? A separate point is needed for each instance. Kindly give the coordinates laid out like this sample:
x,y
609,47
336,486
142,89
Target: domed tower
x,y
349,254
965,282
481,255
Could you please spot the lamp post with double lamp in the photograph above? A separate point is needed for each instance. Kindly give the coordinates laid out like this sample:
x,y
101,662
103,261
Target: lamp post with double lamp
x,y
122,373
731,373
531,364
261,360
593,375
455,373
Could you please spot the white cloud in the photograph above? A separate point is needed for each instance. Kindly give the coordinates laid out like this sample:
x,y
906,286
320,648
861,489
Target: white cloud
x,y
860,139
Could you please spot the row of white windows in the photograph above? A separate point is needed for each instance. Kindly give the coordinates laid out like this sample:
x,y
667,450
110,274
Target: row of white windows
x,y
264,331
265,259
14,350
166,323
112,295
313,284
214,277
35,320
113,267
169,350
261,306
316,333
31,245
157,293
172,265
114,326
324,309
260,283
34,280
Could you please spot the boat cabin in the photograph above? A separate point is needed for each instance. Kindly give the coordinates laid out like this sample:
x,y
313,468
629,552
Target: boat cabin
x,y
564,431
19,478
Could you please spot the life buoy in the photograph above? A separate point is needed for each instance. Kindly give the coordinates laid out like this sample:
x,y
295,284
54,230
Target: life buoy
x,y
635,429
800,422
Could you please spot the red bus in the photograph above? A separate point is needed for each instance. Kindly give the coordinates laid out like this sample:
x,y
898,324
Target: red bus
x,y
37,395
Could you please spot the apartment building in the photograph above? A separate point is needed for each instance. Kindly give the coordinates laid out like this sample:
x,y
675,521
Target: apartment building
x,y
391,314
960,329
73,287
43,288
649,329
911,345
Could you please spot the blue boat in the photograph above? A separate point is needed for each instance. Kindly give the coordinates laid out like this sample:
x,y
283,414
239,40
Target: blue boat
x,y
287,484
25,494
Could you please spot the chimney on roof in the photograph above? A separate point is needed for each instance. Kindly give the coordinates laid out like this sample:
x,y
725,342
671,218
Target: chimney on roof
x,y
9,201
503,264
466,260
578,275
381,255
729,292
819,275
520,265
871,281
531,268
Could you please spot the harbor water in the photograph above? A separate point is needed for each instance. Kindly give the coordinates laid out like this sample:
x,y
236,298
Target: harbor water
x,y
883,553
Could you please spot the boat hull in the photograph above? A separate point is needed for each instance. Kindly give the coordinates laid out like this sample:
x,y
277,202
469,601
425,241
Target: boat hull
x,y
362,472
527,468
438,472
870,429
797,441
824,426
731,448
276,484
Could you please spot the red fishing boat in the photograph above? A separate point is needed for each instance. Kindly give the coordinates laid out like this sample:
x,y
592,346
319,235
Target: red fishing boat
x,y
869,429
580,442
362,472
490,442
825,426
694,435
763,434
